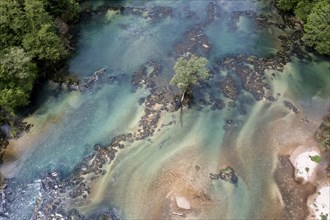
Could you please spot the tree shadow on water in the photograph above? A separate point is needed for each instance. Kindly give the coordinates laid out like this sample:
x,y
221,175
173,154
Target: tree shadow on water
x,y
181,111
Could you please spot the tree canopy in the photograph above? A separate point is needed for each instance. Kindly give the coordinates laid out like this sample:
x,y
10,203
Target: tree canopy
x,y
189,71
12,23
317,28
17,75
30,42
286,5
315,15
68,10
45,44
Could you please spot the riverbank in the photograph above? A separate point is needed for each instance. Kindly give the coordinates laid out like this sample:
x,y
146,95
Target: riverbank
x,y
309,173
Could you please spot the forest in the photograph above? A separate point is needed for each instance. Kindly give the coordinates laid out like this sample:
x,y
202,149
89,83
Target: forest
x,y
314,14
33,44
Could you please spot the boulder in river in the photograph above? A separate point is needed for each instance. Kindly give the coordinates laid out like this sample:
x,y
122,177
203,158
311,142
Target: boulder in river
x,y
228,174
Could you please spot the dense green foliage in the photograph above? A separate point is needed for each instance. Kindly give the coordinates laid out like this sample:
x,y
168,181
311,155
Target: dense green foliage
x,y
303,9
12,23
68,10
30,44
315,15
17,74
189,72
45,44
317,28
286,5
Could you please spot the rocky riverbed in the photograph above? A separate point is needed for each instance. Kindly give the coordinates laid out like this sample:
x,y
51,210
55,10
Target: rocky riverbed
x,y
165,157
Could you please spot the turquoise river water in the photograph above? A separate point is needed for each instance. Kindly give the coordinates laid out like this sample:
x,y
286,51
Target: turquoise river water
x,y
146,177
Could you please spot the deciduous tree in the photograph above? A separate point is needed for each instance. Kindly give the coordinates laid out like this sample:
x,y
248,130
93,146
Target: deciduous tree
x,y
44,44
17,75
188,72
68,10
317,28
12,23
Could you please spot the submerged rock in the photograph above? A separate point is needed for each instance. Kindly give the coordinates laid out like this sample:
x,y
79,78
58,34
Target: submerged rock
x,y
228,174
151,13
290,106
195,41
75,215
229,88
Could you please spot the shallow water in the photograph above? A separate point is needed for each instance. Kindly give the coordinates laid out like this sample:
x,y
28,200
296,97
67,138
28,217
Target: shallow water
x,y
147,175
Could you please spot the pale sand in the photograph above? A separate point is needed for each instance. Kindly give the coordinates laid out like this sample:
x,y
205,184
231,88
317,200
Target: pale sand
x,y
304,166
300,144
182,202
319,203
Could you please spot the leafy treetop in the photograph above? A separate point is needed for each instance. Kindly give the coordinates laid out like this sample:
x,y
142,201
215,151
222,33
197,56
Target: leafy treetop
x,y
17,74
189,72
30,46
316,19
317,28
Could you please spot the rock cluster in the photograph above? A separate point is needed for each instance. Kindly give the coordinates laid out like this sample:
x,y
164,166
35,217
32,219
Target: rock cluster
x,y
211,13
153,14
228,174
48,204
160,99
195,41
229,87
146,75
89,80
75,188
251,72
4,200
290,106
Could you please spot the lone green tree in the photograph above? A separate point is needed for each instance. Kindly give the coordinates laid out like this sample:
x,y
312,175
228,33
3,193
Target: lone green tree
x,y
189,72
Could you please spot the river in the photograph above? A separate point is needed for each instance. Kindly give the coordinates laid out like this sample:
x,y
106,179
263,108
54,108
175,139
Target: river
x,y
147,176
